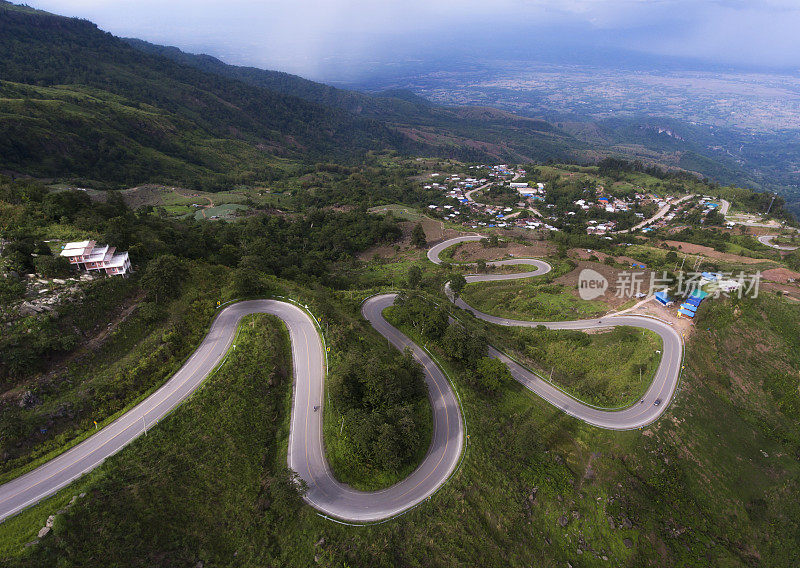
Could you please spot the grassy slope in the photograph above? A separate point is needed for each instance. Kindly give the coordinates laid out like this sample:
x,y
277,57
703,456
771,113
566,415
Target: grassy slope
x,y
611,369
530,299
135,360
223,461
693,490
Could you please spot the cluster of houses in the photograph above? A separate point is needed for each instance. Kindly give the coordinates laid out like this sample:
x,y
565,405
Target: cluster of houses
x,y
609,204
88,255
470,212
455,186
600,228
503,170
532,193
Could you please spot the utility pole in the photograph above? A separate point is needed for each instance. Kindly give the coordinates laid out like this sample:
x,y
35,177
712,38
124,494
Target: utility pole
x,y
770,204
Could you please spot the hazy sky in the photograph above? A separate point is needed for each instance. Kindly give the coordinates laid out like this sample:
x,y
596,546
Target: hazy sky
x,y
326,39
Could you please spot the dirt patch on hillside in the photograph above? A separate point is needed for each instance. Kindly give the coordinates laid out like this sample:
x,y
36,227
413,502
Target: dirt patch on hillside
x,y
782,281
143,195
585,254
472,251
781,275
709,252
611,297
434,232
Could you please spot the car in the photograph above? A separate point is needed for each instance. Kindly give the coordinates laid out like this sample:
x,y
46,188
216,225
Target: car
x,y
657,402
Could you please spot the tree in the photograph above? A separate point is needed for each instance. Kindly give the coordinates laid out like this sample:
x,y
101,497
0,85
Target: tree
x,y
11,288
793,260
715,218
490,373
42,249
457,283
52,266
481,264
246,282
463,346
10,216
163,276
414,276
418,236
284,494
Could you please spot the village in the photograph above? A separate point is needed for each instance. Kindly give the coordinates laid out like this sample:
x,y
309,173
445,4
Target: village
x,y
532,205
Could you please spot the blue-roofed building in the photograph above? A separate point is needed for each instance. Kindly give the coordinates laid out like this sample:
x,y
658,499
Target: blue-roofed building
x,y
663,298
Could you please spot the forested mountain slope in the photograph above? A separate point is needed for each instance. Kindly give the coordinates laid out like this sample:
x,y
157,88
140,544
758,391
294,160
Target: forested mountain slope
x,y
288,84
80,103
74,99
477,133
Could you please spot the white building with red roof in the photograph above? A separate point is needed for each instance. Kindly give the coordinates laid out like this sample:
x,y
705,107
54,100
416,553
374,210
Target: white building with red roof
x,y
88,255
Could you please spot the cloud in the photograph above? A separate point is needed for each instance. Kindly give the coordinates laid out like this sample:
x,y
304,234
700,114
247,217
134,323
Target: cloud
x,y
307,36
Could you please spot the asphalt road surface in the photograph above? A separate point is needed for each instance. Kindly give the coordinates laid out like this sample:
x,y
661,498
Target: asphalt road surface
x,y
640,414
305,455
767,240
306,451
659,214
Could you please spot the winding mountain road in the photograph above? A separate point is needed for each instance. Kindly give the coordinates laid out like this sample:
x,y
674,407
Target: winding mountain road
x,y
767,240
646,411
306,453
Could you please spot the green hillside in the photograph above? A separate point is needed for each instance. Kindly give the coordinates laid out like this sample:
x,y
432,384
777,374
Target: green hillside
x,y
288,84
81,104
465,132
109,101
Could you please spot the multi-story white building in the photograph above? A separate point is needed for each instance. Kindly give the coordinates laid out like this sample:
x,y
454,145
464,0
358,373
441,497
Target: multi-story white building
x,y
88,255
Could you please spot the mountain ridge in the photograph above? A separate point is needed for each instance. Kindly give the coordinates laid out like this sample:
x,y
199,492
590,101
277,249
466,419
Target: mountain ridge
x,y
79,103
